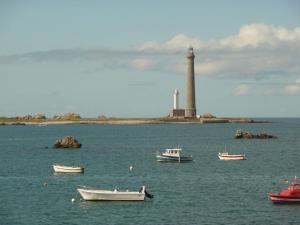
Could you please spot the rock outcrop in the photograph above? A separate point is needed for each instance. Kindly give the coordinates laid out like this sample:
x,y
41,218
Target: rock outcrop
x,y
67,142
67,116
102,117
27,117
18,123
207,115
247,135
39,116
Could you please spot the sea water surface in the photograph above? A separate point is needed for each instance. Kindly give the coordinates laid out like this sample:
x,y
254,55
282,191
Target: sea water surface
x,y
206,191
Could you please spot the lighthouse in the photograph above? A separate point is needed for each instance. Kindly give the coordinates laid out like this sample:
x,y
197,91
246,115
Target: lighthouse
x,y
190,106
176,99
176,112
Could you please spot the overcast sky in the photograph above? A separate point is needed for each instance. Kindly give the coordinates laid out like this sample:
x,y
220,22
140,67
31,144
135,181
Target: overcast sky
x,y
126,58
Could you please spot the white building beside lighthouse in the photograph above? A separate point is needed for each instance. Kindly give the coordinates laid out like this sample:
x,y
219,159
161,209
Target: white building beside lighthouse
x,y
176,112
176,99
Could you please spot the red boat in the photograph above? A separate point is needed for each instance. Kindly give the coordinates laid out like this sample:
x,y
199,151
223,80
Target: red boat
x,y
287,195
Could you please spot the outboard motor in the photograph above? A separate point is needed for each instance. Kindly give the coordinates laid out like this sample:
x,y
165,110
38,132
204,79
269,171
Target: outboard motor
x,y
148,195
142,189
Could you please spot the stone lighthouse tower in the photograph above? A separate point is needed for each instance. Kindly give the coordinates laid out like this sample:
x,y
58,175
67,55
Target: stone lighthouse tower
x,y
190,105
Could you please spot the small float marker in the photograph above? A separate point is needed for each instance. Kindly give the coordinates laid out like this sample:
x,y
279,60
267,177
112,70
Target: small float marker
x,y
73,200
130,168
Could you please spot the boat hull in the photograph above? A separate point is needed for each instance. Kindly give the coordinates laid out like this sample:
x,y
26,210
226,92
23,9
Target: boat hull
x,y
279,199
67,169
162,158
104,195
232,158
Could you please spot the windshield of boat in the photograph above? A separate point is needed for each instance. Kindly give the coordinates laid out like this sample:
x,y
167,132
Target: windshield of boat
x,y
173,151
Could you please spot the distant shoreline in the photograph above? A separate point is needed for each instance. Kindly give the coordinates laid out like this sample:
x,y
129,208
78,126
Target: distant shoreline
x,y
135,121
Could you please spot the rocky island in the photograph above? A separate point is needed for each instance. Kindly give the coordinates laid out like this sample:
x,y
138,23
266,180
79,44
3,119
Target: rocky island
x,y
67,142
247,135
74,118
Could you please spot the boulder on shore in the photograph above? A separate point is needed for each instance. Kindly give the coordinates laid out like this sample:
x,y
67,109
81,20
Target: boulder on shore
x,y
102,117
247,135
207,115
39,116
67,142
67,116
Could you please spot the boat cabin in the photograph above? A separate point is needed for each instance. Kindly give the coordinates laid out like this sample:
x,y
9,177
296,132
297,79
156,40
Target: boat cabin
x,y
294,186
292,190
175,152
223,153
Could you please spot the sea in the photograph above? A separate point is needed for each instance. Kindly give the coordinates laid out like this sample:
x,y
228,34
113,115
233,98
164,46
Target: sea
x,y
206,191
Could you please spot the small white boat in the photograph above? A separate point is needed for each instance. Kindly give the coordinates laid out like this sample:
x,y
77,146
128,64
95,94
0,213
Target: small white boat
x,y
67,169
227,156
93,194
173,155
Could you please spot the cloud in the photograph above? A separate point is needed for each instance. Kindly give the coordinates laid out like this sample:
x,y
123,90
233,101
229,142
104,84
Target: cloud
x,y
141,63
150,45
256,51
179,41
70,55
249,36
209,67
261,35
293,88
242,89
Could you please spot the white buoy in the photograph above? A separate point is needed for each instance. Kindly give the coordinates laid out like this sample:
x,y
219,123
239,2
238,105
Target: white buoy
x,y
73,200
130,168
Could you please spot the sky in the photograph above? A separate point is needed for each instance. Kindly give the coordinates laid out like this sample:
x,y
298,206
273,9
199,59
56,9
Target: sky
x,y
126,58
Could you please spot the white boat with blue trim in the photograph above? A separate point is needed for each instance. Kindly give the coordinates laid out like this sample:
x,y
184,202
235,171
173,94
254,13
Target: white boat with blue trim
x,y
173,155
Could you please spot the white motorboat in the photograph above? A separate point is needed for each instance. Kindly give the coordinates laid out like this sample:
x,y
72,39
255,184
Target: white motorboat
x,y
93,194
67,169
227,156
173,155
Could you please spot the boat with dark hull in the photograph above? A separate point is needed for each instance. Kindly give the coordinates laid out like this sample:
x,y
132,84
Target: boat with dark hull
x,y
173,155
287,195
